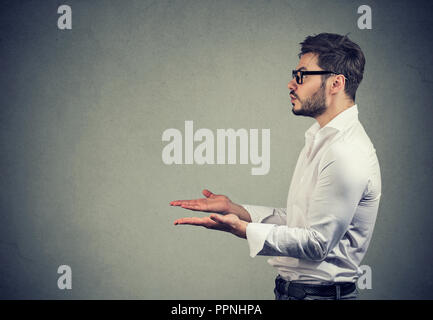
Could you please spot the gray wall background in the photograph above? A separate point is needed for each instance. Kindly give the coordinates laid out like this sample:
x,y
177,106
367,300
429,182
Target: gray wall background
x,y
82,114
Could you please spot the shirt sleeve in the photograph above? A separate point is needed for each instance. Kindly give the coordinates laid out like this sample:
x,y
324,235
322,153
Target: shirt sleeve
x,y
261,214
340,186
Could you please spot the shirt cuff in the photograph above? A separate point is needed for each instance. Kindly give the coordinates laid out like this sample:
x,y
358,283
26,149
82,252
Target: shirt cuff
x,y
256,236
258,213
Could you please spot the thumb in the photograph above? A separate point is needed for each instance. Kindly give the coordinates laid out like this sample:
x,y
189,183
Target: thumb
x,y
207,193
218,218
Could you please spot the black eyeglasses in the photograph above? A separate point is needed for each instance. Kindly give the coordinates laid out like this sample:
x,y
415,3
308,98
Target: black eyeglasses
x,y
299,74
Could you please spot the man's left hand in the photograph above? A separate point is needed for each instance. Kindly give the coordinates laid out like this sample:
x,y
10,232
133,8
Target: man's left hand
x,y
228,223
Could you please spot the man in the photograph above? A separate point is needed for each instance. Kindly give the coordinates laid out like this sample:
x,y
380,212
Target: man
x,y
318,241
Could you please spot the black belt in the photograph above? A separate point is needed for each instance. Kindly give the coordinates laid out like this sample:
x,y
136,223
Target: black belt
x,y
301,290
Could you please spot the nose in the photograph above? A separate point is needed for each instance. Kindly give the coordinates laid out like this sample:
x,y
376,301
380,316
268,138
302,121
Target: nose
x,y
292,85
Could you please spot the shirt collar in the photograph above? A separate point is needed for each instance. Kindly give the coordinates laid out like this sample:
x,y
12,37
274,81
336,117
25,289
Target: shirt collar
x,y
338,123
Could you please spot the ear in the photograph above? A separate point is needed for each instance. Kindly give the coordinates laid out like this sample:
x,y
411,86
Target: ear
x,y
338,82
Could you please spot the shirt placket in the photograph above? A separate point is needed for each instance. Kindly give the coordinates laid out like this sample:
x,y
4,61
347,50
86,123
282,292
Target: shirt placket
x,y
309,141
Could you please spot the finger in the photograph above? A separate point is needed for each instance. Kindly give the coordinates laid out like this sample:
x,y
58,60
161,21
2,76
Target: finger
x,y
191,221
194,205
178,202
207,193
188,202
175,202
195,221
182,202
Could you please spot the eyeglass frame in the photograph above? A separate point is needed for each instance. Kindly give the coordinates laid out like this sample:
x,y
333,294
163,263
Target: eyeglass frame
x,y
306,73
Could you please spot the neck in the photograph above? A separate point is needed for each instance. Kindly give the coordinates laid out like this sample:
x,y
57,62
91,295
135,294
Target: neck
x,y
333,110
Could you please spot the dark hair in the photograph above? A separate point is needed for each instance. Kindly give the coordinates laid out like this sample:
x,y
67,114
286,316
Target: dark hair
x,y
339,54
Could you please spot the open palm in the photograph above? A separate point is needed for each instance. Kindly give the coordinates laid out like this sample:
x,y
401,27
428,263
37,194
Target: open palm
x,y
211,203
229,223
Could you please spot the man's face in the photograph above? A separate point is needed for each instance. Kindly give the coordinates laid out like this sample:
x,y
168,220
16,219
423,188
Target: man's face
x,y
309,98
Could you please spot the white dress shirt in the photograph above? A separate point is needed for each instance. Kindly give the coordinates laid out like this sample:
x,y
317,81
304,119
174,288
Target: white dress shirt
x,y
324,232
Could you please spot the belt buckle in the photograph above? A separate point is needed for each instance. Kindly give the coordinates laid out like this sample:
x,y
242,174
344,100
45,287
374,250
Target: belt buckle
x,y
298,293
